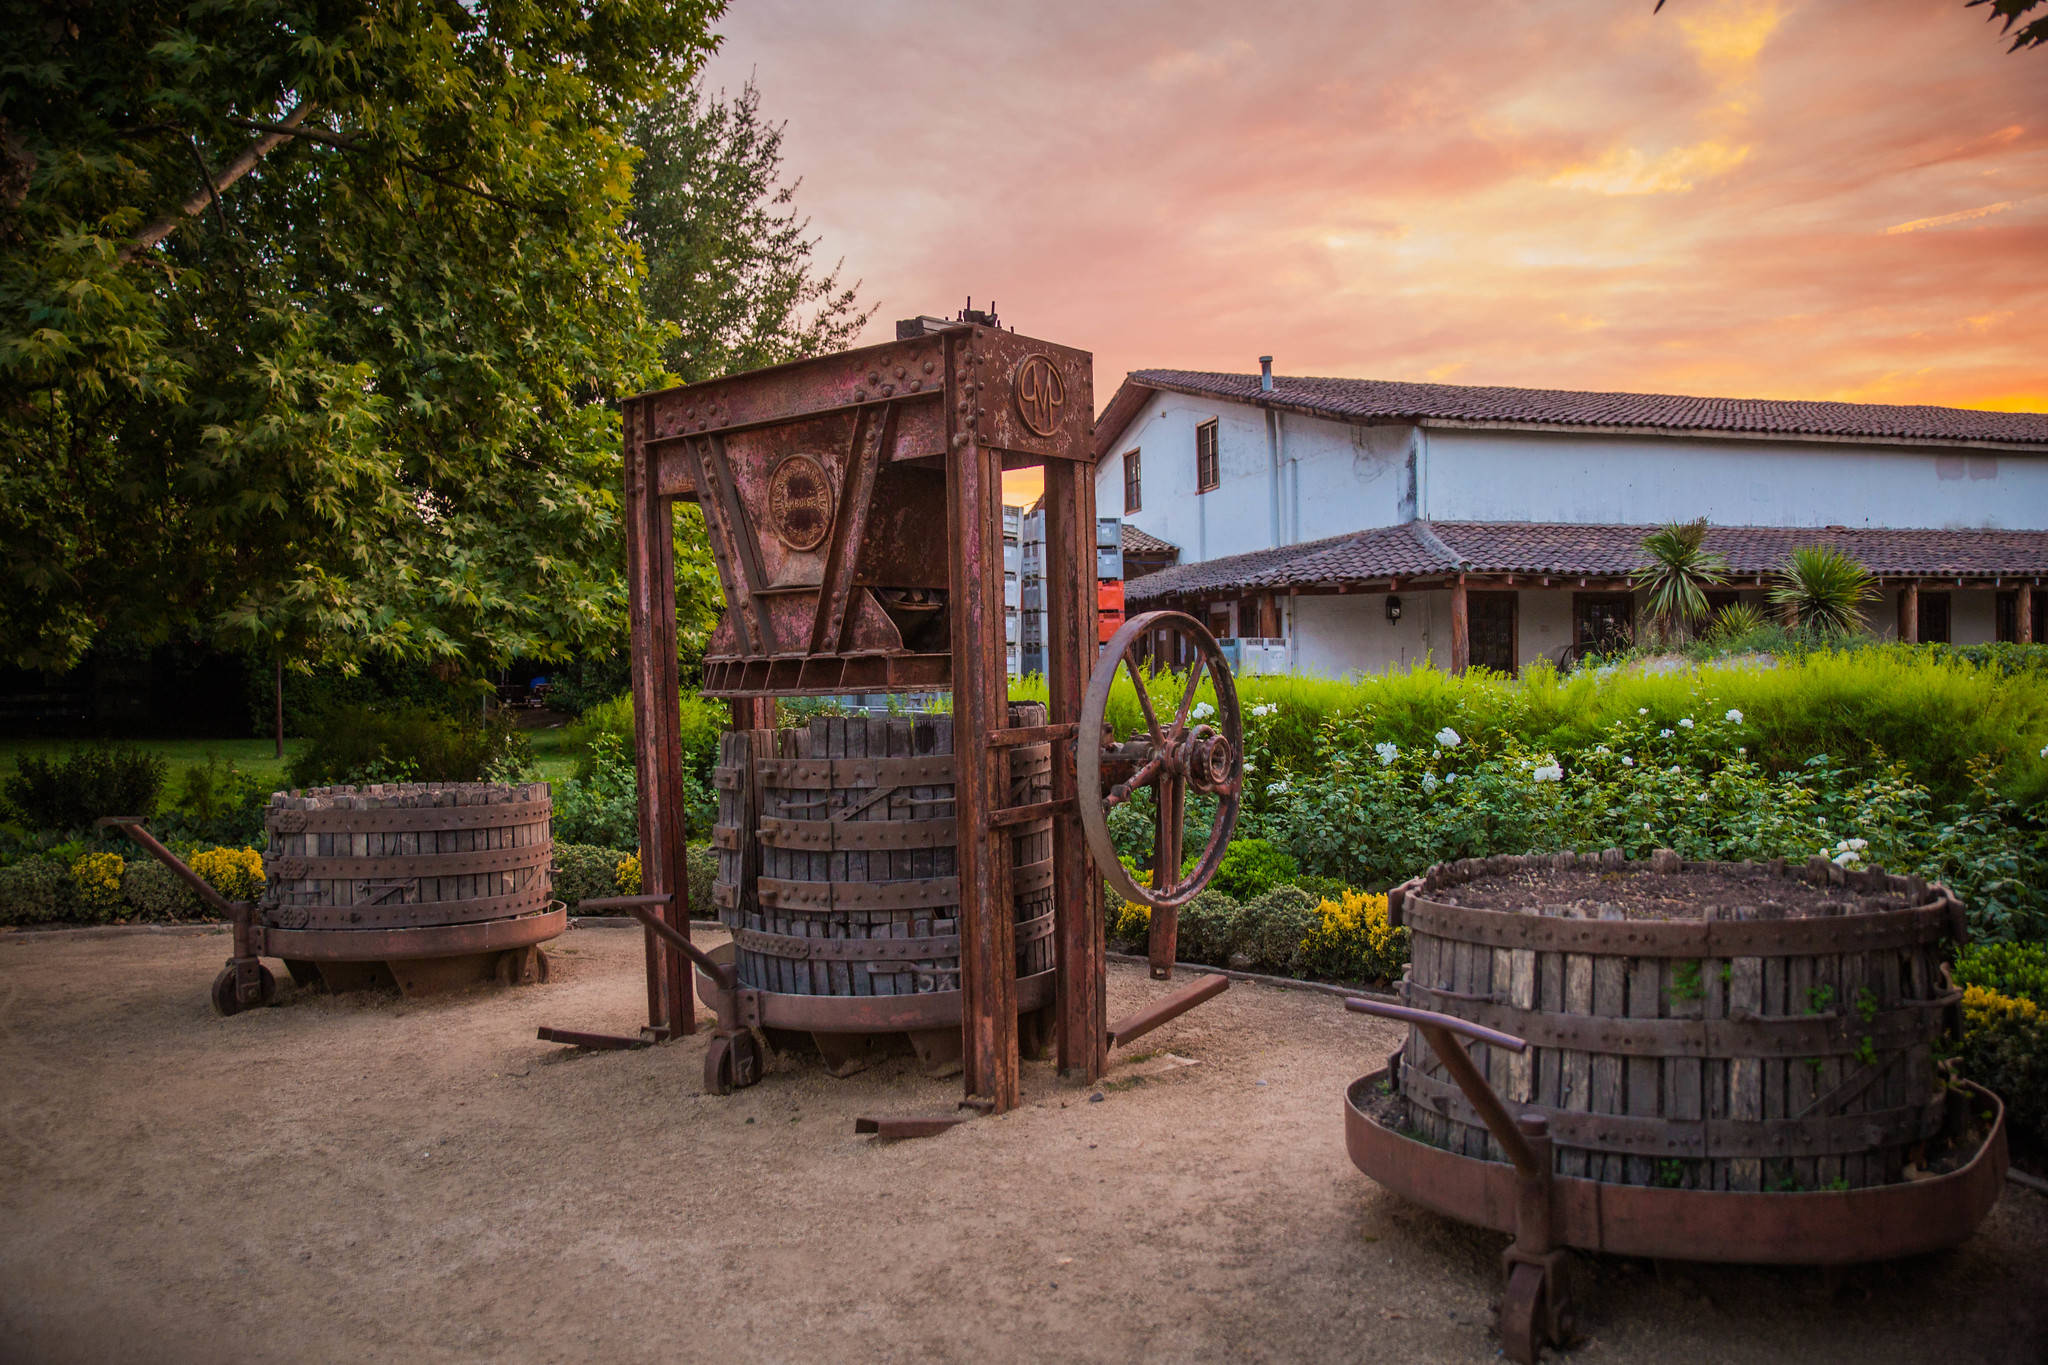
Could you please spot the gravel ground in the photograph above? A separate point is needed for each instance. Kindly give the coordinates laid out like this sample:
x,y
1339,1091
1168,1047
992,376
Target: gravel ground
x,y
359,1178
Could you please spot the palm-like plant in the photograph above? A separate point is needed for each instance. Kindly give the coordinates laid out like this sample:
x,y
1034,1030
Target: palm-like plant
x,y
1823,590
1736,620
1680,571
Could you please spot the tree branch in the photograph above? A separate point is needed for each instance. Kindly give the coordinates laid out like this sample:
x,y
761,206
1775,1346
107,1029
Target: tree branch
x,y
352,142
228,175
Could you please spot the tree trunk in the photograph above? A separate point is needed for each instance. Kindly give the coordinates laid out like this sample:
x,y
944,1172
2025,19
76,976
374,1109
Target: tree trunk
x,y
279,697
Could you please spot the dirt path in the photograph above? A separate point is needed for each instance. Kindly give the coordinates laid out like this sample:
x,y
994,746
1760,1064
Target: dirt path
x,y
359,1178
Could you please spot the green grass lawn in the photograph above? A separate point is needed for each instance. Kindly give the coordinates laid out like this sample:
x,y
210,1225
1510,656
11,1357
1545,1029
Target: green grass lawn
x,y
256,756
552,756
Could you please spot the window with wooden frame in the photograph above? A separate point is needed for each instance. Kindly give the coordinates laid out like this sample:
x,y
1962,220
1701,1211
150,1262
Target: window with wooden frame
x,y
1207,475
1132,500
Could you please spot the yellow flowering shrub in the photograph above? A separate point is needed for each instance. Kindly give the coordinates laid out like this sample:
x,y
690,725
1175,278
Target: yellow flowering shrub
x,y
236,873
626,876
2005,1047
96,886
1352,940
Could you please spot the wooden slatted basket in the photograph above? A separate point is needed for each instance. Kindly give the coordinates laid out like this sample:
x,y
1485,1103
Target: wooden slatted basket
x,y
1776,1033
836,860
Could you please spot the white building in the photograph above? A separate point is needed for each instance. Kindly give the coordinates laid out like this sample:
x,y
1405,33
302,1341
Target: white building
x,y
1333,526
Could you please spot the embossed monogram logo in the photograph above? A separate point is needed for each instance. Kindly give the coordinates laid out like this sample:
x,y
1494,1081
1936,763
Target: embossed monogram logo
x,y
1041,393
800,502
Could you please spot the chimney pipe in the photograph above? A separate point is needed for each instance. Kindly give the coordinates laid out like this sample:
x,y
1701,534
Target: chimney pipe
x,y
1265,374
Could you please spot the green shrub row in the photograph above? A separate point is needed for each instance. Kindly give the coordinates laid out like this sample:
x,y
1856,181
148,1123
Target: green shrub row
x,y
94,886
1325,933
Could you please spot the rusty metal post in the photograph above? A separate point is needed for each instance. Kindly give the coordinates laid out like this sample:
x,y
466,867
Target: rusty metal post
x,y
974,517
658,759
1071,648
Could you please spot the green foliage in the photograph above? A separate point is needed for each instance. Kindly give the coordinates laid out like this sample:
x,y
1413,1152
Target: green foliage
x,y
217,803
2019,970
1736,623
1822,590
1211,928
703,722
359,402
87,784
1273,927
1680,570
602,808
1252,867
405,743
700,862
36,890
585,871
1685,983
154,892
2005,1047
728,265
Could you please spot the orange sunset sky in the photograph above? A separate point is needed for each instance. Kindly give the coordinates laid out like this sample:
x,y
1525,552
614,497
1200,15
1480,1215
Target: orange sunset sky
x,y
1759,198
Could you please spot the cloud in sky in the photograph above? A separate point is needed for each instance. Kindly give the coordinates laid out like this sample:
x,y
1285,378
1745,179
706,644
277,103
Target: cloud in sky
x,y
1728,197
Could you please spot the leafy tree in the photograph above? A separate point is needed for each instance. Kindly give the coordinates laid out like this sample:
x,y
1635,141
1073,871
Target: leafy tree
x,y
309,316
2033,33
729,273
728,264
1680,570
1823,590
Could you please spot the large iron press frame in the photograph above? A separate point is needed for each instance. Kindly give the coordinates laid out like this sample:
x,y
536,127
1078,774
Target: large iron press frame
x,y
854,507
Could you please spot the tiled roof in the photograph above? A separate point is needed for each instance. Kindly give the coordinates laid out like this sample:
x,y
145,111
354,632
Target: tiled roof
x,y
1137,542
1377,400
1423,549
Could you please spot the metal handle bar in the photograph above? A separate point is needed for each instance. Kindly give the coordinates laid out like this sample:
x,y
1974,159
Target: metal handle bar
x,y
1437,1031
642,908
1430,1018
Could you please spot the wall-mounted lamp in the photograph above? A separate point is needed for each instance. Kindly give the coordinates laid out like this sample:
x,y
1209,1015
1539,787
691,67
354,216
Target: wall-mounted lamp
x,y
1393,607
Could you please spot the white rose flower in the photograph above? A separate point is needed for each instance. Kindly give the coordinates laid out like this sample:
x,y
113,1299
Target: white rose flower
x,y
1602,749
1202,711
1674,768
1448,738
1685,723
1429,782
1734,717
1627,762
1742,749
1858,844
1549,772
1848,858
1266,708
1646,824
1664,733
1643,711
1276,788
1449,778
1387,751
1701,797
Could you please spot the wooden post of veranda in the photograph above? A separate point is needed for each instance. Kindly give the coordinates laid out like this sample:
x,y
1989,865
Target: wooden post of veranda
x,y
1461,627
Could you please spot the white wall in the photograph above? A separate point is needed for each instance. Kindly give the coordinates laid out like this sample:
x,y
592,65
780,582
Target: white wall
x,y
1333,478
1531,476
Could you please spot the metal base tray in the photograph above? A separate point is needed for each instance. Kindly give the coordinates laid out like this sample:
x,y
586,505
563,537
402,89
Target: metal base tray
x,y
1827,1227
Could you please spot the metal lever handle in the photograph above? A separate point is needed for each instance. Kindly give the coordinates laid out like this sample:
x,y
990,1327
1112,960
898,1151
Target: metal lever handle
x,y
1437,1031
642,908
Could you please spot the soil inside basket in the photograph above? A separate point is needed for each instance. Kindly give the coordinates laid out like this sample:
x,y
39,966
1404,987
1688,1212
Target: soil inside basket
x,y
1640,893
